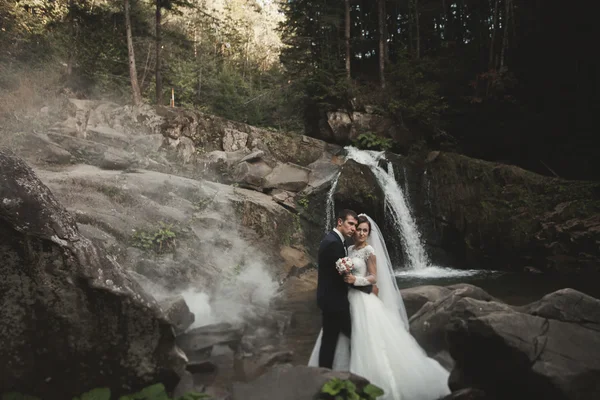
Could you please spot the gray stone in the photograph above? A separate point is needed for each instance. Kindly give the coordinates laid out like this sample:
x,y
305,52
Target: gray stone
x,y
567,305
512,354
414,298
108,136
253,156
340,124
94,153
428,325
147,144
38,146
54,154
59,288
178,313
288,177
198,343
251,174
234,140
115,161
284,197
185,149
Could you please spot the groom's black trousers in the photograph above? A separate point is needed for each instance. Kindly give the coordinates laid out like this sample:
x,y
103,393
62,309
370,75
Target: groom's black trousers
x,y
333,324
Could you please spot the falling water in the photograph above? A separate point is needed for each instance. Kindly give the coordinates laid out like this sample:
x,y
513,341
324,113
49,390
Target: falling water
x,y
396,203
330,206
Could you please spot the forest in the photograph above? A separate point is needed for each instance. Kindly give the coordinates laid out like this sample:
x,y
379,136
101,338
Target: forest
x,y
512,81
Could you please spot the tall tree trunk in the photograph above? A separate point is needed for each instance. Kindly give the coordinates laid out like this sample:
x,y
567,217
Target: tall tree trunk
x,y
492,64
506,22
135,88
146,66
198,64
347,39
382,43
71,49
159,89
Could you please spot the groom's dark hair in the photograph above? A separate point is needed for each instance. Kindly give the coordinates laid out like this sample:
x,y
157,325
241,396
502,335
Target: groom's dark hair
x,y
344,214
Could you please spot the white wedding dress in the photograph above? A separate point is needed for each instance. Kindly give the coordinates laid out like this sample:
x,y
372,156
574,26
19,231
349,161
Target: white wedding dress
x,y
381,348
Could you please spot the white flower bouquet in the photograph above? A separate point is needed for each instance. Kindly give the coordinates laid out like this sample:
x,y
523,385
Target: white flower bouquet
x,y
344,265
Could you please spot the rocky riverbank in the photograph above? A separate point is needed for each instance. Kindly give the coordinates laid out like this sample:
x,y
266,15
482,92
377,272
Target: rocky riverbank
x,y
184,245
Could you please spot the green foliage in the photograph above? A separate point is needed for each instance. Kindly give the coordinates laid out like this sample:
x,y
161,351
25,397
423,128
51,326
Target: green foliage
x,y
370,141
346,390
160,240
153,392
237,270
95,394
297,223
414,91
303,202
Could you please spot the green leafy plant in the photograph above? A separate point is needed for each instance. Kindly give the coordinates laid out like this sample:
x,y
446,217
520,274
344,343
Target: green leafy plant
x,y
339,389
161,240
152,392
297,223
237,270
370,141
303,202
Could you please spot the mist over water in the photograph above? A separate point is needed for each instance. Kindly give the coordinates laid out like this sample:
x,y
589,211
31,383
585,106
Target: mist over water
x,y
235,299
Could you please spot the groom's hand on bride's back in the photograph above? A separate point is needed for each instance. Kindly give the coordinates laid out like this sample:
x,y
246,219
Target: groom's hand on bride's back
x,y
367,289
350,279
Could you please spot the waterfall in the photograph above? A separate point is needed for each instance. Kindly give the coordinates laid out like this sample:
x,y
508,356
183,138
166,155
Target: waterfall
x,y
330,206
396,202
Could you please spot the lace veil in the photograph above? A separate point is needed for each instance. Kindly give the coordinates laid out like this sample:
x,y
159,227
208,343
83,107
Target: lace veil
x,y
386,280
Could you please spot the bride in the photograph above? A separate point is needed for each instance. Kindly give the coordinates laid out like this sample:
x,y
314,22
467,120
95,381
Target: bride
x,y
381,348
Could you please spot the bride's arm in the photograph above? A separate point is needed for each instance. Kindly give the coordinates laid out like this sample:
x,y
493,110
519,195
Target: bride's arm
x,y
371,278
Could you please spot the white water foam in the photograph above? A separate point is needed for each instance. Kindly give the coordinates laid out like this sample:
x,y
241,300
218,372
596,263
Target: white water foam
x,y
330,205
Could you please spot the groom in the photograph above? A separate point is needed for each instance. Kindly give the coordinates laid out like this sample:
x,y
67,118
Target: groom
x,y
332,291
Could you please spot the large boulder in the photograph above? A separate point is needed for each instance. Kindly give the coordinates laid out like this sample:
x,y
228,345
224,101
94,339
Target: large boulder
x,y
178,313
213,223
357,189
344,127
71,318
199,342
416,297
550,350
496,216
428,325
287,176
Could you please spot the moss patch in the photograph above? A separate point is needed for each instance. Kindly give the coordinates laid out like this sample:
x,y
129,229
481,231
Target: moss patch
x,y
502,210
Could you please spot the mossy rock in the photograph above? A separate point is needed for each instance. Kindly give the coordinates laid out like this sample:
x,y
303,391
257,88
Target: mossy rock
x,y
358,190
508,217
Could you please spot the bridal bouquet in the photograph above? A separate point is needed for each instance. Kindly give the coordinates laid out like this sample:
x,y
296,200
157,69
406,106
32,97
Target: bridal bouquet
x,y
344,265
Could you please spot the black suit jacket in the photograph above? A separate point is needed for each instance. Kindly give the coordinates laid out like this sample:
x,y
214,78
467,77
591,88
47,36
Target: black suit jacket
x,y
332,291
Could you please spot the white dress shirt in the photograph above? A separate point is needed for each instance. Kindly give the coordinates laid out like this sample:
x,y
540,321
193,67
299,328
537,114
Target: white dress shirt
x,y
342,239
